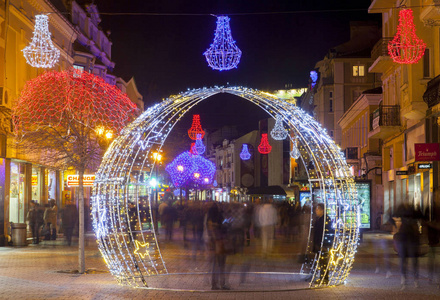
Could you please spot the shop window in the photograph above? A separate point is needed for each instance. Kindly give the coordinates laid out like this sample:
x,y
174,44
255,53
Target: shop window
x,y
16,193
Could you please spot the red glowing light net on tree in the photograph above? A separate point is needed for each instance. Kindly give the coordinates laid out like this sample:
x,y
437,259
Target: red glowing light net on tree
x,y
406,47
78,96
264,147
196,129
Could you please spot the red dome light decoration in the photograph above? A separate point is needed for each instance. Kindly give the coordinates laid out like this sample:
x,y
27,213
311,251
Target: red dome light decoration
x,y
264,147
196,129
406,47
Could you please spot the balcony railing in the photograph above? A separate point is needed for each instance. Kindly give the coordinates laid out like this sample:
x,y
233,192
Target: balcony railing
x,y
385,115
381,48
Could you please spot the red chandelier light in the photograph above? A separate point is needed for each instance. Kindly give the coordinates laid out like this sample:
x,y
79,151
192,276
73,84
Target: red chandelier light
x,y
264,147
406,47
196,129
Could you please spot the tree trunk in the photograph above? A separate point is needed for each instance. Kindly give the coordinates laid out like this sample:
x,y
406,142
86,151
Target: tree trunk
x,y
81,256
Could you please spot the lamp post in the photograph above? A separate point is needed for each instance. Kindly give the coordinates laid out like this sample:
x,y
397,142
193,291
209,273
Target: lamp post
x,y
157,158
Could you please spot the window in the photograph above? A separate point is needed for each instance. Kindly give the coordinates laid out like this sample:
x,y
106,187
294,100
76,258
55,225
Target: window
x,y
331,101
78,70
426,64
358,71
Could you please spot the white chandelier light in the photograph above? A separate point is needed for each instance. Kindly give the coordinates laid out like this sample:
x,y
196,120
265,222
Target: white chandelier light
x,y
279,132
41,52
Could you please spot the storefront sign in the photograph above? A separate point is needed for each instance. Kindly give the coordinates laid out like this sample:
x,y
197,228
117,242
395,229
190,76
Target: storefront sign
x,y
424,166
427,152
34,180
405,172
73,180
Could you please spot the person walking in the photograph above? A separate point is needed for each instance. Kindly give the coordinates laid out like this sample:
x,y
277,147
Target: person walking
x,y
267,219
407,239
35,220
322,236
50,219
69,219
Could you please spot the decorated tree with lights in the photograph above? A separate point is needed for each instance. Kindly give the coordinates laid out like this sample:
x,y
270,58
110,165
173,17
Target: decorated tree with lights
x,y
65,119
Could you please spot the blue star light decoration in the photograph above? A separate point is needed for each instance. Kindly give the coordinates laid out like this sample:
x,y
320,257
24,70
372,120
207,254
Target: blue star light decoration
x,y
223,54
245,155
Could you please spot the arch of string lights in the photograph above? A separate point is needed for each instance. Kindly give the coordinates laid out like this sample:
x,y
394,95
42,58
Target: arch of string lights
x,y
133,254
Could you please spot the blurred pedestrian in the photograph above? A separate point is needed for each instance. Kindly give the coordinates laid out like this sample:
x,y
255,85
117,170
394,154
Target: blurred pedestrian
x,y
323,235
407,241
267,218
35,220
169,216
69,218
50,219
434,250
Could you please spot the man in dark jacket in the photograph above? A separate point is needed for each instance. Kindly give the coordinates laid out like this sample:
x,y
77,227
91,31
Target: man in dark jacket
x,y
322,234
35,219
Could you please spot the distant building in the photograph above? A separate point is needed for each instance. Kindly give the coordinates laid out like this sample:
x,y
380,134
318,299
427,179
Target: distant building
x,y
343,75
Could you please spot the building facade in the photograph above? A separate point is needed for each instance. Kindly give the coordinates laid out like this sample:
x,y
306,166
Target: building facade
x,y
23,178
401,120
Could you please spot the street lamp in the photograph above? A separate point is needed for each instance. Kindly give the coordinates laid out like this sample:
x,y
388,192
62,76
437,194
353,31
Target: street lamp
x,y
157,158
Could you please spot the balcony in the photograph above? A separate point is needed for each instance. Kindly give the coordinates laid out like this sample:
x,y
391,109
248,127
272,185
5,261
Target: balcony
x,y
379,54
384,122
432,93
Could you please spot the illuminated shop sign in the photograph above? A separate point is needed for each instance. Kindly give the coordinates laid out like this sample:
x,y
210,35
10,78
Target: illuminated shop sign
x,y
73,180
34,180
424,166
427,152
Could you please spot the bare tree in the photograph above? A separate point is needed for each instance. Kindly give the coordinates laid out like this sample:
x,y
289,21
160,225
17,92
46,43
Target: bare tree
x,y
63,119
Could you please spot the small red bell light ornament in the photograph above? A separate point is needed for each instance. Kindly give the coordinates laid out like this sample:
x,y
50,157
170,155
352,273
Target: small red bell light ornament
x,y
264,147
406,47
196,131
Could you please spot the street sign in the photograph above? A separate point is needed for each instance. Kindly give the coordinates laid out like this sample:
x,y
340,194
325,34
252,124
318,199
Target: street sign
x,y
401,172
425,166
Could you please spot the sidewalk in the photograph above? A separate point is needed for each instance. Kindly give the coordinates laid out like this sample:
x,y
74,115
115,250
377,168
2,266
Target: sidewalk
x,y
33,272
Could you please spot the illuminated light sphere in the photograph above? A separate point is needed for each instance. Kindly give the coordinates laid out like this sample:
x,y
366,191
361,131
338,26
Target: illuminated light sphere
x,y
264,147
278,132
244,154
205,170
41,52
223,54
196,131
199,147
406,47
181,169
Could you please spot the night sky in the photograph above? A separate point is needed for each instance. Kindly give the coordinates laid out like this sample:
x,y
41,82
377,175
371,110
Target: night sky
x,y
280,46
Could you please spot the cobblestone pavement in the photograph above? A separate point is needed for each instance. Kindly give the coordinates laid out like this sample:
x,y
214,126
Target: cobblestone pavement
x,y
43,272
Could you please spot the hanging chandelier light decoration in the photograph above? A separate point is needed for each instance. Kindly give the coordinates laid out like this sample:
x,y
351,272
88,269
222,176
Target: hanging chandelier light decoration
x,y
41,52
223,54
245,155
278,132
295,152
406,47
264,147
196,130
199,147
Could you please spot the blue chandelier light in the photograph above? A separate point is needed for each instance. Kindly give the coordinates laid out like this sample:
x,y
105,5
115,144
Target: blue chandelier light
x,y
279,132
245,155
223,54
199,147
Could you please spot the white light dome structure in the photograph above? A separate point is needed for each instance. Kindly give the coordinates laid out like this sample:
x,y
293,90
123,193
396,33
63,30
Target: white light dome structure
x,y
134,256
